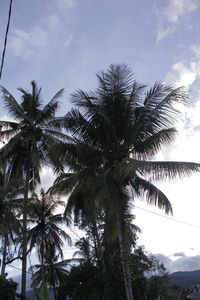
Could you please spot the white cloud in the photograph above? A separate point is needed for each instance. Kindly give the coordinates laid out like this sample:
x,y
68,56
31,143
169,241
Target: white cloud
x,y
26,43
164,32
185,263
196,50
178,254
183,194
171,15
30,42
177,8
184,75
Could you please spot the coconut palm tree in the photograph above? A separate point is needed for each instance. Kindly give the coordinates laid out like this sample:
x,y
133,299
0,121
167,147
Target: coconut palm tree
x,y
46,232
28,138
123,126
82,164
86,251
53,270
10,227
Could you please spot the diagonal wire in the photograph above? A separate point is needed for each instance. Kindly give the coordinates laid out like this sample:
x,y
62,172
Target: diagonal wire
x,y
166,217
6,37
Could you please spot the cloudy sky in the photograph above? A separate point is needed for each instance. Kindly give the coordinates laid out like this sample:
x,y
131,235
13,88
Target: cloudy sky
x,y
63,43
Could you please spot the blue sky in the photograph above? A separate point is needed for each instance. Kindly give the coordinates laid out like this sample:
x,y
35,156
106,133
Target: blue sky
x,y
63,43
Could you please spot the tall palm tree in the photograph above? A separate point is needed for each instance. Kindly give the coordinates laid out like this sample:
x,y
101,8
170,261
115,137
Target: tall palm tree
x,y
10,226
123,126
29,138
82,162
46,233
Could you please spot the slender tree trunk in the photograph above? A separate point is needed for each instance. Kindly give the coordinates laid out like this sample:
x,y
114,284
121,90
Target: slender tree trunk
x,y
42,263
24,236
54,291
43,232
124,254
5,244
98,247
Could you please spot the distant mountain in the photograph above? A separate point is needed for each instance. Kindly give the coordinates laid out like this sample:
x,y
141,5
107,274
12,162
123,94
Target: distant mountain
x,y
185,279
182,279
30,293
17,279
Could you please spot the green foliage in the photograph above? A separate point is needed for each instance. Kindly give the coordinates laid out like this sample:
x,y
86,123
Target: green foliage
x,y
43,292
46,235
7,288
87,281
29,139
115,131
157,285
84,282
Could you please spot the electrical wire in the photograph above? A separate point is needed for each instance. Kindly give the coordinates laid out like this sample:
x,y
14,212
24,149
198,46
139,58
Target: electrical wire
x,y
166,217
146,210
17,268
74,233
6,37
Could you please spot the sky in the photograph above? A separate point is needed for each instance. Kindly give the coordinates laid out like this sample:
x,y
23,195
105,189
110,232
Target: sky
x,y
64,43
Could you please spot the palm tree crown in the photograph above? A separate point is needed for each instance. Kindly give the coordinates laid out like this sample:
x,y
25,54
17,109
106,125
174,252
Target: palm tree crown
x,y
121,127
31,134
46,233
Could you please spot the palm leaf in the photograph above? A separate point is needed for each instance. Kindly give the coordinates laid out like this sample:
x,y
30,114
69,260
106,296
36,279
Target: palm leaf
x,y
154,196
160,170
152,144
13,107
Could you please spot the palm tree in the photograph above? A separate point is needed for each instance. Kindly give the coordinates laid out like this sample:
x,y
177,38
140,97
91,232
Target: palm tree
x,y
46,232
86,250
82,162
10,227
53,270
123,126
29,139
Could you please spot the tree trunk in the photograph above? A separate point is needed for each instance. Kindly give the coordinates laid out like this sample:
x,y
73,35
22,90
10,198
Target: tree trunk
x,y
4,254
24,236
54,291
98,247
124,254
42,263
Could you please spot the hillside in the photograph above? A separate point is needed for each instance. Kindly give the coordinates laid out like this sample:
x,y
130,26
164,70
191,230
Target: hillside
x,y
185,279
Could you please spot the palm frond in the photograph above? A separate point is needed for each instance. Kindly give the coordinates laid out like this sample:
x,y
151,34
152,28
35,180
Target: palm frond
x,y
153,195
152,144
53,101
159,169
12,105
9,124
155,94
8,134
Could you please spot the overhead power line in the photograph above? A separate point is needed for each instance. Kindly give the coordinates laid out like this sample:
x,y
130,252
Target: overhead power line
x,y
6,37
146,210
166,217
18,268
74,233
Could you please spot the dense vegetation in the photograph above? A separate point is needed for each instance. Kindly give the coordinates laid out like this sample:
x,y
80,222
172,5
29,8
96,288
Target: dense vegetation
x,y
7,288
102,153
